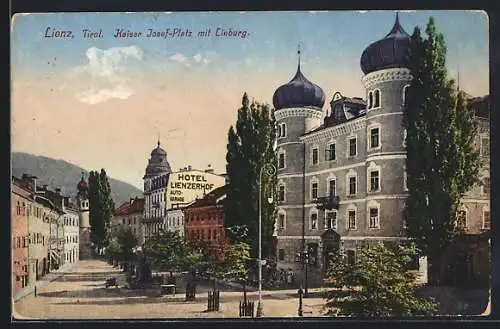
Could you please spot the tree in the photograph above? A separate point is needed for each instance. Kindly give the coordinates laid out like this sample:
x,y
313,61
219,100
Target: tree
x,y
249,148
127,242
170,251
232,266
113,250
441,162
379,285
101,207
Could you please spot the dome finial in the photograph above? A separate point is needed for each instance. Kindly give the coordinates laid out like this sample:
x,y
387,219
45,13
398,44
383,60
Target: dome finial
x,y
158,139
298,55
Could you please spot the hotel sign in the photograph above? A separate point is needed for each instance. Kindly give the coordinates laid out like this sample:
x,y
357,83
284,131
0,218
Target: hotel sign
x,y
185,187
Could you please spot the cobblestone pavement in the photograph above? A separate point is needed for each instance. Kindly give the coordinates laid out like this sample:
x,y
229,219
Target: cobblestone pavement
x,y
80,294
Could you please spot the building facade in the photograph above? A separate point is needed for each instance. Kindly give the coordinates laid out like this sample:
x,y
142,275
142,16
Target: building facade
x,y
38,229
355,153
21,202
129,216
175,221
204,220
71,234
155,184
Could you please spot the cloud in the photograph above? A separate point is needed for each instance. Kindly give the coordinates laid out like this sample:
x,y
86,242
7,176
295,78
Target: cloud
x,y
202,59
106,74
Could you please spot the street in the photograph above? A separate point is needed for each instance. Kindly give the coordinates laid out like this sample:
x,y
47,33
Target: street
x,y
80,294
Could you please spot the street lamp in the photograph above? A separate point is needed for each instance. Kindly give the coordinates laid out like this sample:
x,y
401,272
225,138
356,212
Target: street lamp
x,y
270,170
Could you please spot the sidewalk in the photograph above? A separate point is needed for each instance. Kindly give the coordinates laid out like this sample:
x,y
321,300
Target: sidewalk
x,y
47,278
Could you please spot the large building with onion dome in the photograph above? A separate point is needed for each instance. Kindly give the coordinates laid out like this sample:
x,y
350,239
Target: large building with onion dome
x,y
155,184
355,152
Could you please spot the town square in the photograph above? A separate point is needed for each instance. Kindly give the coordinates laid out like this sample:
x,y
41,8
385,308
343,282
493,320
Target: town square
x,y
232,167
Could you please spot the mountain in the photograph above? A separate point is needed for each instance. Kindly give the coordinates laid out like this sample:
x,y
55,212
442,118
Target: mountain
x,y
62,174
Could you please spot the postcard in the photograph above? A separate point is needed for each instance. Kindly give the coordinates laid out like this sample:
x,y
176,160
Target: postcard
x,y
250,164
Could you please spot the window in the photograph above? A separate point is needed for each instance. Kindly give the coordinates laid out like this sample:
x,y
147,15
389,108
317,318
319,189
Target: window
x,y
281,221
374,181
123,221
405,179
330,152
281,192
18,242
281,254
405,95
331,188
352,185
330,220
485,146
374,219
351,257
209,234
314,155
282,130
377,99
351,219
352,147
314,190
281,160
486,220
374,138
462,219
405,133
18,208
370,100
486,186
314,221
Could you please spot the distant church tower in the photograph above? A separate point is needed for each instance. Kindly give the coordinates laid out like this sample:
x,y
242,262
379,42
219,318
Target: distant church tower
x,y
83,210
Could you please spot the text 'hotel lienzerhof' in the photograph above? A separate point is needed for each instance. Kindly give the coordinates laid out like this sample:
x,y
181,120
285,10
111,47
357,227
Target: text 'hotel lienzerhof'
x,y
356,150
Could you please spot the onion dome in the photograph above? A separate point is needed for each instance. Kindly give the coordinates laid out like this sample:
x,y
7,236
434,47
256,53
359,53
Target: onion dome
x,y
299,92
82,185
389,52
157,164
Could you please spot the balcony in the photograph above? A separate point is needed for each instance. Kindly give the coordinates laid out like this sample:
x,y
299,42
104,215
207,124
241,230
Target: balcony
x,y
328,203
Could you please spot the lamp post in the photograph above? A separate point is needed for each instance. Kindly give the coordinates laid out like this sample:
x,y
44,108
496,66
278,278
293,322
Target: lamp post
x,y
270,170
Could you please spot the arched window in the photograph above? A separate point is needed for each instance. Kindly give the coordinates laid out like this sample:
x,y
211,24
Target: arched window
x,y
281,219
370,100
377,99
281,192
404,95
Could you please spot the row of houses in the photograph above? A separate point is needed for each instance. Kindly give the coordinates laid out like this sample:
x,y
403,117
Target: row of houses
x,y
46,230
200,221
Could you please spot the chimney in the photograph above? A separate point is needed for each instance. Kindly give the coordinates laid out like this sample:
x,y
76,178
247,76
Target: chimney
x,y
58,191
189,168
45,187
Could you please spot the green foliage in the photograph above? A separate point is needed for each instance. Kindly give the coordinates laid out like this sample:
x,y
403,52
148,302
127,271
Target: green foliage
x,y
250,146
441,162
113,249
127,242
101,207
379,284
232,267
169,250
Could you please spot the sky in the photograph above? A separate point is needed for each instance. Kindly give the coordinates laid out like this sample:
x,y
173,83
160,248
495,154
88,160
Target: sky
x,y
103,102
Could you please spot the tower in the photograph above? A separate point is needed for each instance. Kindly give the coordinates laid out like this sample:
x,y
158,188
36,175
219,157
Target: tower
x,y
155,183
386,79
84,214
298,110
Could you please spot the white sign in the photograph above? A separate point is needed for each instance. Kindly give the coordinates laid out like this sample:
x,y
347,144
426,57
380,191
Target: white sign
x,y
186,186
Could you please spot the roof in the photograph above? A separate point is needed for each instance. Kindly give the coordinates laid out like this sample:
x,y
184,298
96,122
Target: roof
x,y
480,106
131,207
213,198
